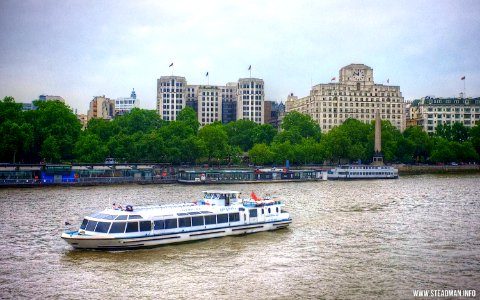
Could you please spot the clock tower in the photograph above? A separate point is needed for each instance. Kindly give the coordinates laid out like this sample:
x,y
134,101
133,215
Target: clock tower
x,y
356,73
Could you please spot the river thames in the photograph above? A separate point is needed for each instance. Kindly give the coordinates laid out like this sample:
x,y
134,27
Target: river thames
x,y
349,239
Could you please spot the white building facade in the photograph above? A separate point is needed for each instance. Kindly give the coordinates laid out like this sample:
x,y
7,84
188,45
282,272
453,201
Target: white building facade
x,y
250,98
123,105
356,95
209,104
171,96
431,112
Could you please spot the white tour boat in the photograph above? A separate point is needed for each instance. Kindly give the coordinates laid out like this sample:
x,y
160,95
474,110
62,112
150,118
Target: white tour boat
x,y
218,214
362,172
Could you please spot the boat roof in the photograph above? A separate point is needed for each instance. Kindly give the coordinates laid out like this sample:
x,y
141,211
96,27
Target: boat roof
x,y
220,192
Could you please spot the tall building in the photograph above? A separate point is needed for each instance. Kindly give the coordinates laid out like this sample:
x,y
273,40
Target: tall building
x,y
171,96
356,95
429,112
229,102
250,98
235,100
101,107
209,104
123,105
51,98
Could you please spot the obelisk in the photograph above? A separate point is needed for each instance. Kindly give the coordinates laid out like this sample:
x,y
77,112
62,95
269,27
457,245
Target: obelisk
x,y
377,154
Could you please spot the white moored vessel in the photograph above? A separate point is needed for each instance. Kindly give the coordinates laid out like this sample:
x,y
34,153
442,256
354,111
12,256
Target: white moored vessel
x,y
362,172
219,213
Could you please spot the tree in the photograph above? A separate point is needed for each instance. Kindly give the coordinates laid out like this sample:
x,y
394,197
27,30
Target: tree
x,y
89,148
260,154
303,124
139,120
264,134
475,137
443,151
420,142
104,129
50,150
215,138
189,117
336,144
242,133
54,119
15,140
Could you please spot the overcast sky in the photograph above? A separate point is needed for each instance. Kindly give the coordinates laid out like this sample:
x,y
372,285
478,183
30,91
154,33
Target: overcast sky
x,y
81,49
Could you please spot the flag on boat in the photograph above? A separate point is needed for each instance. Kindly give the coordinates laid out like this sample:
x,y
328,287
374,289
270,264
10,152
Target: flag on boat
x,y
171,65
463,78
254,197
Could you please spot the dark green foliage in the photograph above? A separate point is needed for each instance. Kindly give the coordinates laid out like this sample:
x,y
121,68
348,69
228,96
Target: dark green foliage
x,y
53,133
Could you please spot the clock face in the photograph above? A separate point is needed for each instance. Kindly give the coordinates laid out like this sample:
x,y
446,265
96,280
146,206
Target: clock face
x,y
358,75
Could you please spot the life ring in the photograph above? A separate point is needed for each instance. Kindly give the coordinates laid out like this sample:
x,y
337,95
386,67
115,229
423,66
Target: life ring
x,y
129,208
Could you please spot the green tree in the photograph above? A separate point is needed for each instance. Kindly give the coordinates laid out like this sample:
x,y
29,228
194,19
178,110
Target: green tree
x,y
90,149
283,152
260,154
301,123
215,138
241,133
189,117
104,129
422,144
263,134
54,119
336,145
50,150
139,120
15,141
443,151
475,137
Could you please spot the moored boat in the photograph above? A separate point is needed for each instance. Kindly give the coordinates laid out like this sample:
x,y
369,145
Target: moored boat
x,y
348,172
218,214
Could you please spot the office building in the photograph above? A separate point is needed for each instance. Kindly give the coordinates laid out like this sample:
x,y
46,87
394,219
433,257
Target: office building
x,y
355,95
250,98
126,104
171,96
429,112
101,107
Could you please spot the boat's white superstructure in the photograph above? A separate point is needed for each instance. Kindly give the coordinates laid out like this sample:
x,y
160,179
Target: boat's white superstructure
x,y
362,172
219,213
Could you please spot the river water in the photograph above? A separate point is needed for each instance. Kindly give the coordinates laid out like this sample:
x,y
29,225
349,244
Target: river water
x,y
354,239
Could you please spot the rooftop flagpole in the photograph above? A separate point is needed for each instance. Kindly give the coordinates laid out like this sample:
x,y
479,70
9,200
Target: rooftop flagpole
x,y
208,79
250,69
171,65
464,90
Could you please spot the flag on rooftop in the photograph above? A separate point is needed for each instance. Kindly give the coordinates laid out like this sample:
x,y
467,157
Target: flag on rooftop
x,y
249,67
333,78
388,80
171,65
206,74
463,78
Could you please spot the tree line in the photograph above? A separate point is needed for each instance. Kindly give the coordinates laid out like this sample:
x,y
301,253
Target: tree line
x,y
52,133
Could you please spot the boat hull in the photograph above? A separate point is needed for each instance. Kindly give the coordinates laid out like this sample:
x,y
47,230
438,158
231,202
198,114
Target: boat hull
x,y
99,242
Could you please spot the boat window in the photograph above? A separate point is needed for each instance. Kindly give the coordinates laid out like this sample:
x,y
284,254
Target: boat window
x,y
103,227
134,217
263,211
171,223
182,214
158,224
91,225
276,209
102,216
212,219
184,222
241,209
197,221
132,227
121,217
194,213
84,224
269,210
118,227
222,218
206,212
253,213
145,225
234,217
